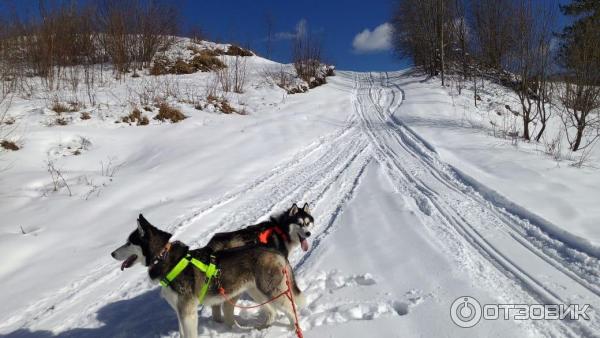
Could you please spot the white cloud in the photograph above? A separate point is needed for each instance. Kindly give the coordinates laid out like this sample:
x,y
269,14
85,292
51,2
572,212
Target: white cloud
x,y
380,39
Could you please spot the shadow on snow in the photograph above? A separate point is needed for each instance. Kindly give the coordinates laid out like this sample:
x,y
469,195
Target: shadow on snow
x,y
147,315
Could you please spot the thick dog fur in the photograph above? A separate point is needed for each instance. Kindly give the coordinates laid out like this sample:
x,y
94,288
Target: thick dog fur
x,y
259,271
294,224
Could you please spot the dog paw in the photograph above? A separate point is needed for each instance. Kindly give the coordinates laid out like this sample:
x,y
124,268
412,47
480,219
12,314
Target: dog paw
x,y
262,326
230,323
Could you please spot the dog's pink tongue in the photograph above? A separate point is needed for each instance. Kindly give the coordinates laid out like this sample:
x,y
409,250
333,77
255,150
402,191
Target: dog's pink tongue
x,y
127,263
304,244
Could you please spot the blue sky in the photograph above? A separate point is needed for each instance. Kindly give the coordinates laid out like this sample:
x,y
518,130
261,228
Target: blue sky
x,y
336,22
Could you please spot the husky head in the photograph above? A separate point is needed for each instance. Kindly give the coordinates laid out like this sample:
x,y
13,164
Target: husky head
x,y
299,222
142,245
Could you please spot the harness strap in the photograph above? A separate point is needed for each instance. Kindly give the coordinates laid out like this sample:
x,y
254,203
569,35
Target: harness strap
x,y
210,270
263,237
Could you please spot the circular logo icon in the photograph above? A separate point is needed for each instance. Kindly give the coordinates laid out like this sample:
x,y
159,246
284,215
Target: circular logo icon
x,y
465,311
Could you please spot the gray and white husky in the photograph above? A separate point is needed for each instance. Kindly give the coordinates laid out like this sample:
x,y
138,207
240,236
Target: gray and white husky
x,y
258,271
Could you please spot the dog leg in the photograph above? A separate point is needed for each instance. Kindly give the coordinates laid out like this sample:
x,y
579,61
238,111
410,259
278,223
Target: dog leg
x,y
187,309
216,313
267,310
171,297
282,303
228,311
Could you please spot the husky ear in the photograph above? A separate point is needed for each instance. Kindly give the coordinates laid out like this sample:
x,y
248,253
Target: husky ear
x,y
293,210
140,229
143,225
305,208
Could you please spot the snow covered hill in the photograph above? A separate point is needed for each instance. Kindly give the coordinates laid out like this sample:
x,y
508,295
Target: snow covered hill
x,y
412,210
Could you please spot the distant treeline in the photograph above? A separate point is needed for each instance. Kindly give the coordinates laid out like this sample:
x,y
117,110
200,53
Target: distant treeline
x,y
514,42
62,34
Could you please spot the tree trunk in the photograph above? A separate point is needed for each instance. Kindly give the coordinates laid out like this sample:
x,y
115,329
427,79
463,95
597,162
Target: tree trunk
x,y
475,89
579,137
539,135
441,22
526,127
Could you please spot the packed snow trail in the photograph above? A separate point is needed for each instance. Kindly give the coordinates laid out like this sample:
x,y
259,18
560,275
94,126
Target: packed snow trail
x,y
548,270
398,236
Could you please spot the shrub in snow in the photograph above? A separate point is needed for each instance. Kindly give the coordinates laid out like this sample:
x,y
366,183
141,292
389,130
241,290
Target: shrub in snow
x,y
60,107
234,50
206,62
166,112
136,117
62,121
160,66
9,145
221,104
182,67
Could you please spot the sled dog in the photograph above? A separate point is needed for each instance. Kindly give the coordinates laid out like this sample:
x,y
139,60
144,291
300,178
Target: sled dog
x,y
258,271
283,232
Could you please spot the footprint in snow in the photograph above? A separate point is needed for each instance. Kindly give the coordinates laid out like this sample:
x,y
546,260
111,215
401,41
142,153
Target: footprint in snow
x,y
321,310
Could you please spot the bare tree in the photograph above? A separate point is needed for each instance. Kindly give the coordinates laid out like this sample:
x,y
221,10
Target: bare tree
x,y
529,60
460,33
307,57
544,68
580,55
423,31
414,34
270,27
581,97
196,33
233,77
492,30
134,31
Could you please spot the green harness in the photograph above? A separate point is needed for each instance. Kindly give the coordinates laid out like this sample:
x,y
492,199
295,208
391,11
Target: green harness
x,y
210,270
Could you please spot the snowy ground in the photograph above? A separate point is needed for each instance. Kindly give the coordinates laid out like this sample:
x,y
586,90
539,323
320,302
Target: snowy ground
x,y
400,231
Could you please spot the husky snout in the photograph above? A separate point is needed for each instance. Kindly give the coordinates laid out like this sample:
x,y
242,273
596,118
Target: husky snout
x,y
129,254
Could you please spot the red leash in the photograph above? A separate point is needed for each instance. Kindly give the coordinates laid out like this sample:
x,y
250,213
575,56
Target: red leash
x,y
290,296
288,293
222,292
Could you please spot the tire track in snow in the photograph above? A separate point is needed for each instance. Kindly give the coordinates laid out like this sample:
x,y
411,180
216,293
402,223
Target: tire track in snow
x,y
584,271
335,156
105,272
416,171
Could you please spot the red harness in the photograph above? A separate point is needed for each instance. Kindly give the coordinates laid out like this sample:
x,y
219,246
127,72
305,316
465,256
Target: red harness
x,y
263,237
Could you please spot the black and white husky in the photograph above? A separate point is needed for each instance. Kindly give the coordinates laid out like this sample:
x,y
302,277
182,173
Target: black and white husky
x,y
283,232
256,270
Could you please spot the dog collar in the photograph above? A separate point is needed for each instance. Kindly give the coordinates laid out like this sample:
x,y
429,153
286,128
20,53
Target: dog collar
x,y
263,237
163,253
